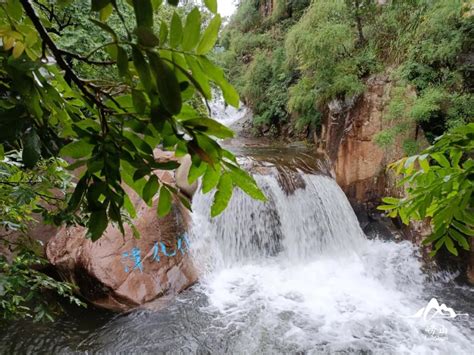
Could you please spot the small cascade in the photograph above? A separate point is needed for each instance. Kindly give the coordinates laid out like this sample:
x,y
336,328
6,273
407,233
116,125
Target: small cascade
x,y
296,225
297,274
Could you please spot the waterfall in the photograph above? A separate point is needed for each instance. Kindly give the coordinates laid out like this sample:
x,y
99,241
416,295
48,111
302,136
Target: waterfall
x,y
312,221
297,274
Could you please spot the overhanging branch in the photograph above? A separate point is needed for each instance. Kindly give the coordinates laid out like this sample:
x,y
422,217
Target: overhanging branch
x,y
57,53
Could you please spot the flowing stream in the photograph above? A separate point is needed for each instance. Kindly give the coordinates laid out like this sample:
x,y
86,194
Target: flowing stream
x,y
294,275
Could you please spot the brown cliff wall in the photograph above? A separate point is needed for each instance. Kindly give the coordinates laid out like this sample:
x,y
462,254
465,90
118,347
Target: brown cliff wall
x,y
349,139
360,164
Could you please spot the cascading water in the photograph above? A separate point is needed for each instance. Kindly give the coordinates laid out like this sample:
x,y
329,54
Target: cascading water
x,y
293,275
298,275
314,221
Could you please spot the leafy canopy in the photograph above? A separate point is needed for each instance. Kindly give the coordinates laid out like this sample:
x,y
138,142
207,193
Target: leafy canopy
x,y
109,126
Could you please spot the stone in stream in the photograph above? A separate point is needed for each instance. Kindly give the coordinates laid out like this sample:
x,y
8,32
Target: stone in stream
x,y
121,272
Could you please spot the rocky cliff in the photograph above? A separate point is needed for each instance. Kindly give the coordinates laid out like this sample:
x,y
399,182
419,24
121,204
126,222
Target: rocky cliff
x,y
360,165
348,137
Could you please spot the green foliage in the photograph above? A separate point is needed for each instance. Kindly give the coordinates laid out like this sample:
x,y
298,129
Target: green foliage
x,y
440,186
322,58
331,47
427,104
247,15
256,60
111,127
384,139
324,46
22,289
302,100
428,42
265,87
23,193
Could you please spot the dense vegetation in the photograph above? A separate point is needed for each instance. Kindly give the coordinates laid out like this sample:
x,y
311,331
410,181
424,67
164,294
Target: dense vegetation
x,y
104,102
289,59
288,64
99,105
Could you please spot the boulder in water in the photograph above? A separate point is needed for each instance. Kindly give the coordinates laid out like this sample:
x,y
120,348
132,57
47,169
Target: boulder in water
x,y
120,272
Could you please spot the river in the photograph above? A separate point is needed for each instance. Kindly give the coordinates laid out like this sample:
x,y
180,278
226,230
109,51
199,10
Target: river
x,y
294,275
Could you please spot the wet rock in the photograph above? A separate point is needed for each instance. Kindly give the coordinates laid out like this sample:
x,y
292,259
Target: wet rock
x,y
121,272
470,268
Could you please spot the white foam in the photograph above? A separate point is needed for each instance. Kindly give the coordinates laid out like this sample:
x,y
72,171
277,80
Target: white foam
x,y
298,273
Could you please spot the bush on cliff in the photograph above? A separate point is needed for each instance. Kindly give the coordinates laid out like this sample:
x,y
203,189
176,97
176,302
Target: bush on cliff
x,y
333,46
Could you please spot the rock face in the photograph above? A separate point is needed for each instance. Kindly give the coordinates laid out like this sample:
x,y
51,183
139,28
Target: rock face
x,y
470,268
120,272
359,163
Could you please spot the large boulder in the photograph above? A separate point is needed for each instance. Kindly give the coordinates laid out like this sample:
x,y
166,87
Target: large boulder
x,y
120,272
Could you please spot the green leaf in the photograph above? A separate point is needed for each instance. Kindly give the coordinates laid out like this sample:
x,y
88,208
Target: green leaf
x,y
433,237
31,148
143,69
386,207
167,83
122,61
210,178
164,203
139,101
462,241
77,149
195,171
425,165
143,13
211,5
176,35
455,155
210,127
210,35
200,77
246,183
163,33
450,245
78,194
441,159
391,200
106,12
106,28
98,5
192,30
216,74
15,10
463,228
223,195
128,205
168,165
2,152
97,224
150,189
146,37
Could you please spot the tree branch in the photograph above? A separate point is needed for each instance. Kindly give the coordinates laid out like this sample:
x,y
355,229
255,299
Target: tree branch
x,y
85,59
57,54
